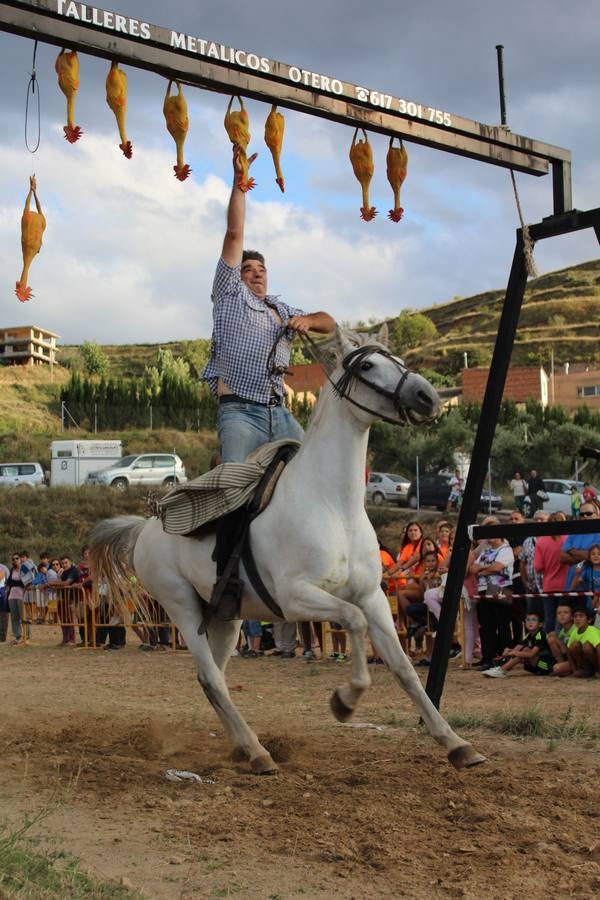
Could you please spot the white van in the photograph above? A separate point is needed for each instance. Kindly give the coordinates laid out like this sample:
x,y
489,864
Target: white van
x,y
72,461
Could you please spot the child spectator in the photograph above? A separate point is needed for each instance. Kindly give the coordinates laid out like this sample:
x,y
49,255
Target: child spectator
x,y
338,639
584,645
533,652
558,643
588,577
40,579
430,579
575,502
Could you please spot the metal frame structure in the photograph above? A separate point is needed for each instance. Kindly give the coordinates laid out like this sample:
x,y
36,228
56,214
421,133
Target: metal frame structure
x,y
217,67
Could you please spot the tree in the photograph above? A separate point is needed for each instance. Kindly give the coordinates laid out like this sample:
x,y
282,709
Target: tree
x,y
410,330
93,358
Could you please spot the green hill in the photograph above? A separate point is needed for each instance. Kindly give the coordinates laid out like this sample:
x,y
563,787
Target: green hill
x,y
561,310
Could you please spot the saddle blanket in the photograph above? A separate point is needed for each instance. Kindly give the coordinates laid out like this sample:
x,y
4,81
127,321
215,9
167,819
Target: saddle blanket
x,y
187,507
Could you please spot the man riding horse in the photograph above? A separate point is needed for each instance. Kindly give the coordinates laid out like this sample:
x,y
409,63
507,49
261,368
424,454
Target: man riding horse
x,y
247,321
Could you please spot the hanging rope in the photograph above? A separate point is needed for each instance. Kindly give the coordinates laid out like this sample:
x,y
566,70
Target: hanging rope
x,y
527,242
31,93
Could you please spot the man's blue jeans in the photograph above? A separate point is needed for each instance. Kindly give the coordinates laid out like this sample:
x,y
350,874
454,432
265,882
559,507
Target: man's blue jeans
x,y
243,427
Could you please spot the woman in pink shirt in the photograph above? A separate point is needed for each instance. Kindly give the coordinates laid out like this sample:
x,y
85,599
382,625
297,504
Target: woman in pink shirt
x,y
546,562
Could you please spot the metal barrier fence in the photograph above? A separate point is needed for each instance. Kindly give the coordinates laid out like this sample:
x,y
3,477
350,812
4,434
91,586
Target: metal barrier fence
x,y
76,609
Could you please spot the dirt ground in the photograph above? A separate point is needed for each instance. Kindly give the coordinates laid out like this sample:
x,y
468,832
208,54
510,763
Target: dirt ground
x,y
355,812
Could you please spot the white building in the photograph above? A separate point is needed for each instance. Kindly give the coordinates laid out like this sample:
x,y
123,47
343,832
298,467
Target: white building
x,y
27,345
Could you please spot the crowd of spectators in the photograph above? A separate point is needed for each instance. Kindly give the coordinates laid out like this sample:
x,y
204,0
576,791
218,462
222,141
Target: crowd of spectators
x,y
533,602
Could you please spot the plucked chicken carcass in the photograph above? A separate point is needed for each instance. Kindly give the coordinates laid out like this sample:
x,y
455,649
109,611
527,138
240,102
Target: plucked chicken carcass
x,y
237,127
116,97
67,69
274,128
361,157
397,164
32,229
176,116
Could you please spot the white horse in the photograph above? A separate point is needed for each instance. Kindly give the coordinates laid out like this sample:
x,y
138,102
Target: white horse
x,y
314,547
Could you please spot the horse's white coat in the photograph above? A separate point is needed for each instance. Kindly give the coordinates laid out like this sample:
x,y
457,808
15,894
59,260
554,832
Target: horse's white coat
x,y
316,551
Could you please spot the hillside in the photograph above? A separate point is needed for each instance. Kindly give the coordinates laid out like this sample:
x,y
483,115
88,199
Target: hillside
x,y
561,310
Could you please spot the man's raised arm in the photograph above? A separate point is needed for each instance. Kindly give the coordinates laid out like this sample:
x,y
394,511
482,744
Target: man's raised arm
x,y
233,243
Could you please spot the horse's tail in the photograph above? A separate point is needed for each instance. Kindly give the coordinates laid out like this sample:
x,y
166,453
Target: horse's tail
x,y
112,543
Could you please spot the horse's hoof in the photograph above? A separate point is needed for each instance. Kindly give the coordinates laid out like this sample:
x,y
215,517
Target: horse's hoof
x,y
238,755
263,765
339,709
465,757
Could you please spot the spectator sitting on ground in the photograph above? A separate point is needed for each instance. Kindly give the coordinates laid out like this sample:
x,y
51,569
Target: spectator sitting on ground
x,y
558,643
584,645
533,652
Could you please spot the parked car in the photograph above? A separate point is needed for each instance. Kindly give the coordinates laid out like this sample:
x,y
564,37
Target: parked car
x,y
14,474
141,469
386,486
559,494
434,490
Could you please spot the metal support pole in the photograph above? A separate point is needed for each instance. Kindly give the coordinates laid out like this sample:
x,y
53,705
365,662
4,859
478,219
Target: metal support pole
x,y
507,328
499,52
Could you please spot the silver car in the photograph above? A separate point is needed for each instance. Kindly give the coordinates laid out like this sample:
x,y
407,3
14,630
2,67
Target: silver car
x,y
559,494
141,469
387,486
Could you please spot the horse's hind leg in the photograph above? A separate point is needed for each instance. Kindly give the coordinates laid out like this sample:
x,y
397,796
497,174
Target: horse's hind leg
x,y
222,639
187,616
383,634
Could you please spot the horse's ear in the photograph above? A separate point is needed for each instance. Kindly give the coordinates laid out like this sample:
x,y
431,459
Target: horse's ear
x,y
384,337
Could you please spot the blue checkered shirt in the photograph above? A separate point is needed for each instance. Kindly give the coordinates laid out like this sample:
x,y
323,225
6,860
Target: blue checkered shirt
x,y
244,331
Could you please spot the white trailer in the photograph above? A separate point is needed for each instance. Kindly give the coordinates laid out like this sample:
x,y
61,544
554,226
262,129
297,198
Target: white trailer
x,y
72,460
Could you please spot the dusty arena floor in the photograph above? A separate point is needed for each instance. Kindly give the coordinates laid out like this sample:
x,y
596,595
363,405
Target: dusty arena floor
x,y
87,736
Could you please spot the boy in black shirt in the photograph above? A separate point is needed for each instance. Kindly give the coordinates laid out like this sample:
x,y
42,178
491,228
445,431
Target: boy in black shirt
x,y
533,652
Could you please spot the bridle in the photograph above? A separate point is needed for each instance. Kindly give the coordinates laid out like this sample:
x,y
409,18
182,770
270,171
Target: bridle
x,y
353,364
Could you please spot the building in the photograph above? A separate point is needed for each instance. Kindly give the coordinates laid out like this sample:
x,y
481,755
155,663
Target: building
x,y
27,345
522,383
576,385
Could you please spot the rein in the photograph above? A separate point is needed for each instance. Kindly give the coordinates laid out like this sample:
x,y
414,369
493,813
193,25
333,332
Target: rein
x,y
352,364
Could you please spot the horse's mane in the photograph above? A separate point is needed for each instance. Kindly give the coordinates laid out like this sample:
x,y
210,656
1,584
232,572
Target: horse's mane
x,y
329,351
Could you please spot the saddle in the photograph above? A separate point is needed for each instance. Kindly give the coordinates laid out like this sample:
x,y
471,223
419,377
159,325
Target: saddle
x,y
190,509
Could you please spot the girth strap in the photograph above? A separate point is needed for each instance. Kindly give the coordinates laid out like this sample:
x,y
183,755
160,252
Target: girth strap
x,y
226,597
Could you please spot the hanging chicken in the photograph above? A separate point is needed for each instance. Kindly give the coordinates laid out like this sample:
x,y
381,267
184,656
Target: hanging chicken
x,y
116,97
397,164
32,229
237,127
274,128
176,116
67,69
361,157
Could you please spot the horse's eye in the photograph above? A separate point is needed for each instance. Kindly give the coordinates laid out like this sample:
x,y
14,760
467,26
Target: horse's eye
x,y
366,366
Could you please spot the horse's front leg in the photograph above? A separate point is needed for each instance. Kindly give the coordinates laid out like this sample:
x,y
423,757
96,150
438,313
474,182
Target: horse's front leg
x,y
383,634
308,603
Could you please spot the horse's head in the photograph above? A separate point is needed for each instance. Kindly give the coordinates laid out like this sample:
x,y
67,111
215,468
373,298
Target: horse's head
x,y
377,382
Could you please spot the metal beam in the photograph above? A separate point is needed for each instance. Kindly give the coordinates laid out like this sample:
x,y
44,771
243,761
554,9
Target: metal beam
x,y
214,66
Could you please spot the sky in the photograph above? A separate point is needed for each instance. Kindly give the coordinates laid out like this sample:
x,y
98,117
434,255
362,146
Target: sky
x,y
129,252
